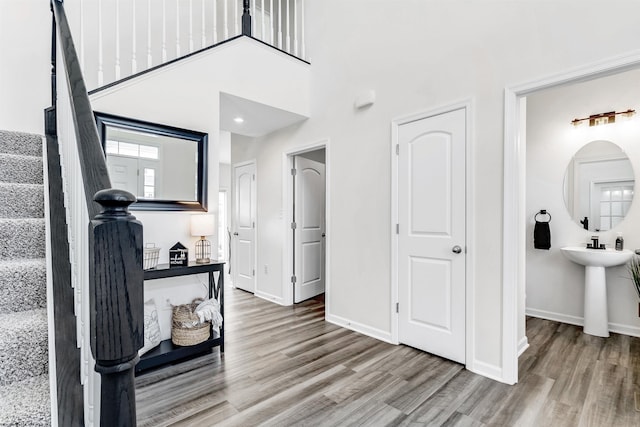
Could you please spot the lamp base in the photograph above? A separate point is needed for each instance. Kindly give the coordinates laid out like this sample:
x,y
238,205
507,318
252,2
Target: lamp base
x,y
203,251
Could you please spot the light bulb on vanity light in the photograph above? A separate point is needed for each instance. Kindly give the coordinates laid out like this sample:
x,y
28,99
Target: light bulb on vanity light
x,y
201,226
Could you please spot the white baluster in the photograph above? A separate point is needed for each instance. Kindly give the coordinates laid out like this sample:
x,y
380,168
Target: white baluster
x,y
254,21
117,68
177,29
226,19
134,64
149,59
190,26
295,27
262,23
82,37
279,24
203,43
215,21
236,16
303,55
164,31
271,28
288,29
100,53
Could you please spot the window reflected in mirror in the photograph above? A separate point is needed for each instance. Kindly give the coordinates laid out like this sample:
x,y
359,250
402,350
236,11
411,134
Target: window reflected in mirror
x,y
599,186
164,167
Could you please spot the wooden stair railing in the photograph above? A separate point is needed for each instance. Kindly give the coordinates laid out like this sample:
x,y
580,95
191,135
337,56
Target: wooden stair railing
x,y
98,252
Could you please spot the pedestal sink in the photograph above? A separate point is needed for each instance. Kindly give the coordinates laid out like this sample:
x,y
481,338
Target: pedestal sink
x,y
596,318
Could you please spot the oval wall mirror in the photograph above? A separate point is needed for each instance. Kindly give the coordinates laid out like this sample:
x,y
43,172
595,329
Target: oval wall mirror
x,y
599,186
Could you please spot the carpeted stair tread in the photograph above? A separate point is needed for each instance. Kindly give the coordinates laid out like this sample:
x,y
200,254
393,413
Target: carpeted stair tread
x,y
20,143
20,169
22,238
23,345
23,284
21,200
26,403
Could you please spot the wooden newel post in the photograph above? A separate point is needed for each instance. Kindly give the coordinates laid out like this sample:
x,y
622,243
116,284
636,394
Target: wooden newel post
x,y
246,18
117,312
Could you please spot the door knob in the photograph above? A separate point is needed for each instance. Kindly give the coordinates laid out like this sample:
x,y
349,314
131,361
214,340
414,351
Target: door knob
x,y
235,234
456,249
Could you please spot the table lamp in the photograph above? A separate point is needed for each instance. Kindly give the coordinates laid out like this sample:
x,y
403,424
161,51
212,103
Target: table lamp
x,y
203,225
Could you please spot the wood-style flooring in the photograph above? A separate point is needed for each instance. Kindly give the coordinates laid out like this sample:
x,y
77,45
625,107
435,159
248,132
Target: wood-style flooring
x,y
286,366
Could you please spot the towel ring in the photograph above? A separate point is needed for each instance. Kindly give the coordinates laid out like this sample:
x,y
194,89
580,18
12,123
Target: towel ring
x,y
542,212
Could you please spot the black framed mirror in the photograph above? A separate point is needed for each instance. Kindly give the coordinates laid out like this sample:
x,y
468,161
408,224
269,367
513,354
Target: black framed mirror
x,y
163,166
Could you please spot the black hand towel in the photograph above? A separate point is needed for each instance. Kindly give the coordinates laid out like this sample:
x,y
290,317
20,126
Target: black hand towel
x,y
541,235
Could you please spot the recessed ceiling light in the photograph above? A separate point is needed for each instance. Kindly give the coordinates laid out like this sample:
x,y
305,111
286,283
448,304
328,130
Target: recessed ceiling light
x,y
238,120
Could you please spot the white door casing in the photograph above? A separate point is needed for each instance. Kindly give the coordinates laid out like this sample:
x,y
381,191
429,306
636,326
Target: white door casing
x,y
309,219
514,182
432,234
244,237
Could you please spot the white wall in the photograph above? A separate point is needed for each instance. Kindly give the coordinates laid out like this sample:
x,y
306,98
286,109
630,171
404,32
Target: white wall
x,y
555,285
419,55
25,64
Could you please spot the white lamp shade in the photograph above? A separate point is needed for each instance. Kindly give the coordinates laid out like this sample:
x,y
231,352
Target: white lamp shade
x,y
203,225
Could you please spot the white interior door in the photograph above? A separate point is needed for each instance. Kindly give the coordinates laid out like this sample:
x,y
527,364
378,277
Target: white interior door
x,y
123,172
309,219
244,236
431,236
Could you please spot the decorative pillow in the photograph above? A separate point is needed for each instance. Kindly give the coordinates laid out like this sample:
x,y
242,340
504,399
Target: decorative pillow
x,y
151,327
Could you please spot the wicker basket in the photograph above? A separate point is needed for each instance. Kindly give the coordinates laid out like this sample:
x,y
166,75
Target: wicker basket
x,y
150,259
186,328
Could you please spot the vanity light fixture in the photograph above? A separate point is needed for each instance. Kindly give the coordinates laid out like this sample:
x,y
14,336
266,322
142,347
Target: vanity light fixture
x,y
203,225
238,120
603,118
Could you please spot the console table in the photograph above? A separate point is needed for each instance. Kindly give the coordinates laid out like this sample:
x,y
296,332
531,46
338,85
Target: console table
x,y
167,352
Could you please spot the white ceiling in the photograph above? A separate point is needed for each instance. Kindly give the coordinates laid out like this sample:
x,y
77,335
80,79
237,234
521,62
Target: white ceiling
x,y
259,119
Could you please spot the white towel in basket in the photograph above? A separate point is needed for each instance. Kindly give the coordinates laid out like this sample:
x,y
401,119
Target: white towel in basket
x,y
210,310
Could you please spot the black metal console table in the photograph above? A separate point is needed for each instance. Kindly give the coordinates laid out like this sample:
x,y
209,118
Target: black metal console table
x,y
167,352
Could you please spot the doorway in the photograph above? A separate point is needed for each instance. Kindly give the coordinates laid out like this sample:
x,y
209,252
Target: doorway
x,y
430,237
244,225
306,224
515,218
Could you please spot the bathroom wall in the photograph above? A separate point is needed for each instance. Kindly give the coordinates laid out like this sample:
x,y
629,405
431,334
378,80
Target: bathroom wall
x,y
555,285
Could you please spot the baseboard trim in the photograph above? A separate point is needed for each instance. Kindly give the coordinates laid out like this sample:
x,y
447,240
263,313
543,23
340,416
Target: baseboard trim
x,y
359,327
269,297
617,328
493,372
523,345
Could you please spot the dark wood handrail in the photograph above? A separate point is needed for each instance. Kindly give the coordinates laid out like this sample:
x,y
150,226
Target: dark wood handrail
x,y
115,247
92,160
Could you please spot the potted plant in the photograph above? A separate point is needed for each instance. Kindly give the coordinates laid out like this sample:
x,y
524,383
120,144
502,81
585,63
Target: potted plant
x,y
633,266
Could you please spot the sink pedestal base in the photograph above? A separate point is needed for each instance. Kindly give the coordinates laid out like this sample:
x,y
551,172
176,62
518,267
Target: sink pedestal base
x,y
596,318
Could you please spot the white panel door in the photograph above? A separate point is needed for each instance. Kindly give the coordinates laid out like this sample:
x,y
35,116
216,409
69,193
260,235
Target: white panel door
x,y
309,212
123,172
244,236
431,237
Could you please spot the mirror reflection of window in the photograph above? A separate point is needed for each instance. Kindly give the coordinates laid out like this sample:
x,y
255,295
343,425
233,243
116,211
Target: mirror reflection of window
x,y
599,185
613,203
149,183
152,166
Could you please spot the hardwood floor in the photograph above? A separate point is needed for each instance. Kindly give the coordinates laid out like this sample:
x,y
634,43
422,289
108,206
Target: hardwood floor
x,y
285,366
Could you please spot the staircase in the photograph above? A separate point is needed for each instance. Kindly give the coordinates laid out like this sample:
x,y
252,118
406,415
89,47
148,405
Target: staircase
x,y
24,360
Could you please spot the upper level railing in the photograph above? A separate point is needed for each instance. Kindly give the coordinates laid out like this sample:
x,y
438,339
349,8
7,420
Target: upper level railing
x,y
119,38
102,244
